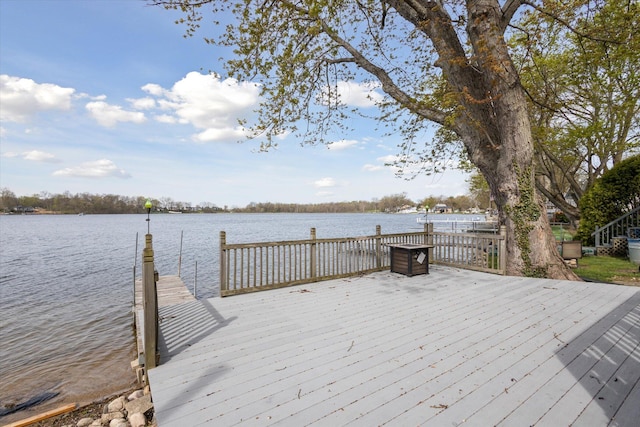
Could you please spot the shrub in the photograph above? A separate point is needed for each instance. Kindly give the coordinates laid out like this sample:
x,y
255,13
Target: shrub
x,y
614,194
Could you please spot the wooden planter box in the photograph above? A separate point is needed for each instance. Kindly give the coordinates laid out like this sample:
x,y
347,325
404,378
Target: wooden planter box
x,y
410,259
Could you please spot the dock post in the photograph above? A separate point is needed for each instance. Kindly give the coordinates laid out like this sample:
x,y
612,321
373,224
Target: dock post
x,y
150,306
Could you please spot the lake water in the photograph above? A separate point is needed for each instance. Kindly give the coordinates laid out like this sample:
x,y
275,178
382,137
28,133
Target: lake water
x,y
66,288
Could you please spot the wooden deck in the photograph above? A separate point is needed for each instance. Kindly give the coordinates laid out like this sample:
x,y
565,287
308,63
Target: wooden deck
x,y
454,347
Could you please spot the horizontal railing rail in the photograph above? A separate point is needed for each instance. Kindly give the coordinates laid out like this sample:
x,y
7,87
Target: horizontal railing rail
x,y
249,267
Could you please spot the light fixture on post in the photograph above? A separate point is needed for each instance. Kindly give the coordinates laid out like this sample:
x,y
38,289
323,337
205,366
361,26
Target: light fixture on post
x,y
148,206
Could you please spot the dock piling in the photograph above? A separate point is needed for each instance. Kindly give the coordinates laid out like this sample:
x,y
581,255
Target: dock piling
x,y
150,304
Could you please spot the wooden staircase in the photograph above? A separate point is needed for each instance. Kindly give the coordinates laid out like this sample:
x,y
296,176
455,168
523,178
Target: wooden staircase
x,y
611,239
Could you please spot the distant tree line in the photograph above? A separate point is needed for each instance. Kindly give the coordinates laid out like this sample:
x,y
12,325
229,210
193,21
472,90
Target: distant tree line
x,y
67,203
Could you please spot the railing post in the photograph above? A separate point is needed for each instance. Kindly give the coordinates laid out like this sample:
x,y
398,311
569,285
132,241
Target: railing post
x,y
313,252
150,306
180,254
223,263
428,229
503,249
378,246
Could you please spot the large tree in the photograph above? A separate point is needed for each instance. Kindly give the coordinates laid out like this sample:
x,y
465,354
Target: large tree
x,y
442,62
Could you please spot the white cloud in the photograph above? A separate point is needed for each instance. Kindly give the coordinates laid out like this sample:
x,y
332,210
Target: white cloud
x,y
153,89
325,182
283,134
22,98
109,115
219,134
165,118
354,94
372,168
40,156
382,164
98,169
342,144
389,158
142,103
33,155
208,103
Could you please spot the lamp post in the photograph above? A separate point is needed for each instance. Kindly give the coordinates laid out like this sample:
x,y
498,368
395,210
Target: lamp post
x,y
148,206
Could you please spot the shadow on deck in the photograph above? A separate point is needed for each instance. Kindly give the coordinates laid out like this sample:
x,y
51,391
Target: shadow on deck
x,y
605,359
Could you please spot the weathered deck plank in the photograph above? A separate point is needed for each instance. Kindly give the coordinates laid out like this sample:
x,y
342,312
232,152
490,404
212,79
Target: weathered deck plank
x,y
454,346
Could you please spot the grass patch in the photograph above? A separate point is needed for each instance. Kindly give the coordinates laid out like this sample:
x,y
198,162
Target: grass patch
x,y
608,269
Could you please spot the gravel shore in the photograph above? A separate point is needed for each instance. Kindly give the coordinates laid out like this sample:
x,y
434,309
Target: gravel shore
x,y
94,411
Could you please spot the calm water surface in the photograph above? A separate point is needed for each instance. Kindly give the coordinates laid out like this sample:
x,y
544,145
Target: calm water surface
x,y
66,288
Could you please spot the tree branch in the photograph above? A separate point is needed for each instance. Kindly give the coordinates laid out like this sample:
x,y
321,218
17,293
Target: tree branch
x,y
388,85
508,10
566,24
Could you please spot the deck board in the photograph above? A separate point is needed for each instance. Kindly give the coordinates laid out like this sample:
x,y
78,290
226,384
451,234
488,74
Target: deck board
x,y
440,349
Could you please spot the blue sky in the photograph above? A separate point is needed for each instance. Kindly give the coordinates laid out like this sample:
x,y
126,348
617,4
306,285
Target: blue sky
x,y
108,97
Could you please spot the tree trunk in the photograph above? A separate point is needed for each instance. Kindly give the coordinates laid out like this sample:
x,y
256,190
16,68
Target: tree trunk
x,y
493,124
497,134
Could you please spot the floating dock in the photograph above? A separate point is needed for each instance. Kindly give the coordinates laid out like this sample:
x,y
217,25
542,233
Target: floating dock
x,y
449,348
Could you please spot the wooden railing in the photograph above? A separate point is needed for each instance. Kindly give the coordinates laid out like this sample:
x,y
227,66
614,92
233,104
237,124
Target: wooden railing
x,y
473,251
249,267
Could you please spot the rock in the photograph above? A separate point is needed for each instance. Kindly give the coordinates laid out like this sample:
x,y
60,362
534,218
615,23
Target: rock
x,y
96,423
84,422
118,422
112,416
137,420
135,395
142,405
116,405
